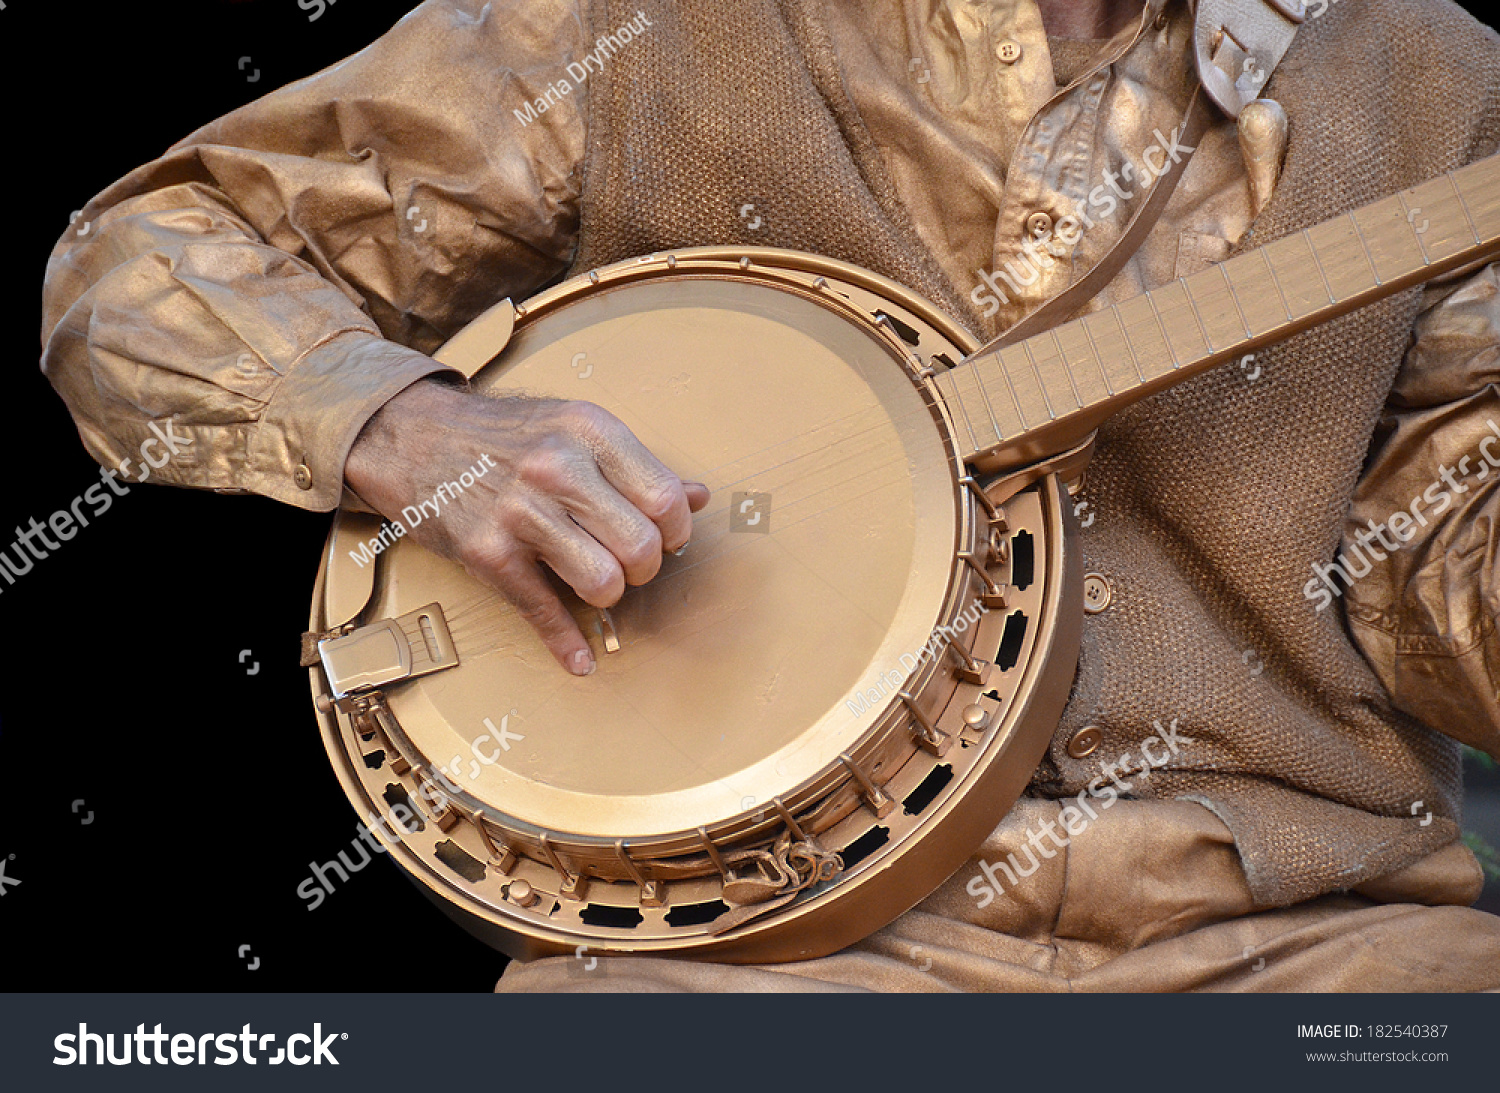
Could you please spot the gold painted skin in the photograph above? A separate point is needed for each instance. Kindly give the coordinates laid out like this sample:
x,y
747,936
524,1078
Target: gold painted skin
x,y
181,298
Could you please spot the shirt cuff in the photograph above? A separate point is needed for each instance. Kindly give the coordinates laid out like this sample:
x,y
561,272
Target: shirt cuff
x,y
298,448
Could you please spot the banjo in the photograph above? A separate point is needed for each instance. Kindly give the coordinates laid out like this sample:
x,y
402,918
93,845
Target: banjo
x,y
813,714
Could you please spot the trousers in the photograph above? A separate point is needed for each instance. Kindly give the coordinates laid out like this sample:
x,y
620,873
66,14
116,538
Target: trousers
x,y
1150,896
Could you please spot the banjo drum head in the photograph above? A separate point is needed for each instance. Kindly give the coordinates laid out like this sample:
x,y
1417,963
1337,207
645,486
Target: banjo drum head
x,y
728,687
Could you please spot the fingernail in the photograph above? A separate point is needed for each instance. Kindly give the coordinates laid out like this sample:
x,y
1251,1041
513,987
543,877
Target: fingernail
x,y
581,663
680,551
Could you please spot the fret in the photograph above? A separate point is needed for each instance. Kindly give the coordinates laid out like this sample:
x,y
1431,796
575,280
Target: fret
x,y
1439,208
1259,301
1313,250
1148,345
1041,383
991,377
1046,359
947,385
1366,248
1391,239
1135,362
988,374
1196,316
1182,331
1462,204
1063,356
1410,216
1098,356
1277,282
1302,294
995,419
1010,388
989,407
1234,298
1484,214
1162,330
1212,296
966,386
1017,363
1073,340
1342,257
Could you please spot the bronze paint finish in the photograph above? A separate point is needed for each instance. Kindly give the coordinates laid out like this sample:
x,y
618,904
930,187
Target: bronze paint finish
x,y
849,574
772,761
748,776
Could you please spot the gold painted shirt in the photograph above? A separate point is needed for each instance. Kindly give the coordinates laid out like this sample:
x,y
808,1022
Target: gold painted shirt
x,y
278,275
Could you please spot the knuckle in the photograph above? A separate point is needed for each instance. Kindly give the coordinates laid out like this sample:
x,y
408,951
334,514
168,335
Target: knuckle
x,y
602,585
642,550
660,498
495,557
551,469
513,513
588,418
540,614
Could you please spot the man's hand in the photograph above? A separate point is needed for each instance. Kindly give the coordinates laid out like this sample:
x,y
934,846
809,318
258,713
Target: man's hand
x,y
571,486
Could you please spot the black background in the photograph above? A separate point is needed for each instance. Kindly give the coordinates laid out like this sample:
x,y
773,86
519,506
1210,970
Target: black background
x,y
121,684
210,789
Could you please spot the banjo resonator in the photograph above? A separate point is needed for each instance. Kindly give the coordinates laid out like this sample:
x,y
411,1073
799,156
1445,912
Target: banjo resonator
x,y
834,691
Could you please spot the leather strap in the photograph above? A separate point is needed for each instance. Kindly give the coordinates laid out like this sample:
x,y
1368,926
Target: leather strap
x,y
1069,302
1237,44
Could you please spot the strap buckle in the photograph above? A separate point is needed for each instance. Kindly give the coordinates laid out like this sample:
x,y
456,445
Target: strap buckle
x,y
1237,44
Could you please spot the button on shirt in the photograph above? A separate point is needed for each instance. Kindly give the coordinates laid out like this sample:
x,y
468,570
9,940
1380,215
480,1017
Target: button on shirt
x,y
988,157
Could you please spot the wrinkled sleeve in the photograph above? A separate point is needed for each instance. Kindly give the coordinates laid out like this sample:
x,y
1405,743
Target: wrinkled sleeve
x,y
1425,615
275,277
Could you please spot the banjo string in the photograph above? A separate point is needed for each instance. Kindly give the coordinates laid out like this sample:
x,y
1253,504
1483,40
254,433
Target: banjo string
x,y
474,620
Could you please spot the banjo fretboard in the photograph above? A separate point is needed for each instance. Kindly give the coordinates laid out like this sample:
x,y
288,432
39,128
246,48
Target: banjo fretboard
x,y
1045,394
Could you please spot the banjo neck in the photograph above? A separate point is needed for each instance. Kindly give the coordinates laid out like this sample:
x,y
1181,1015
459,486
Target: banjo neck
x,y
1019,404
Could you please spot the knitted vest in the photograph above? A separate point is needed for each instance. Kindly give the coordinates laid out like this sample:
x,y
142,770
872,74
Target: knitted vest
x,y
1212,499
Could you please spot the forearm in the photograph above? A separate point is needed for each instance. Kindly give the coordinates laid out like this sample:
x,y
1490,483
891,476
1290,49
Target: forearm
x,y
279,275
265,365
